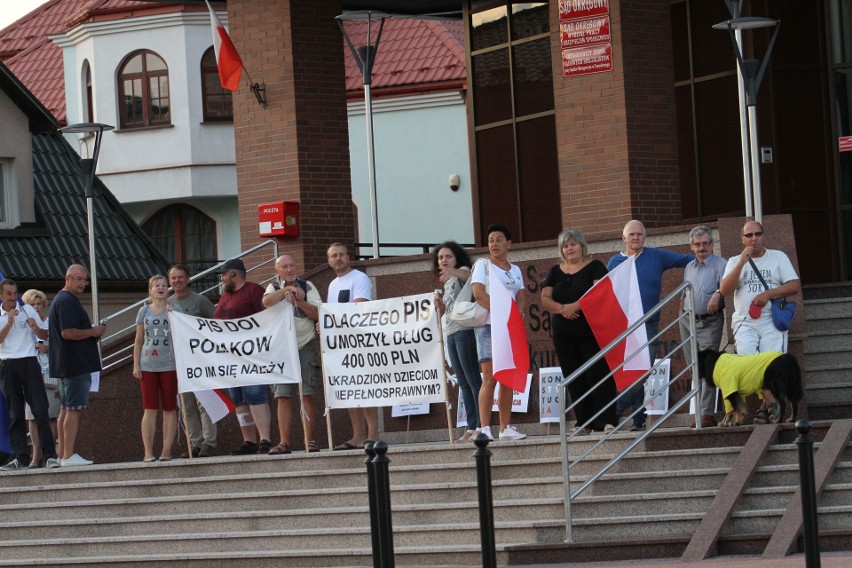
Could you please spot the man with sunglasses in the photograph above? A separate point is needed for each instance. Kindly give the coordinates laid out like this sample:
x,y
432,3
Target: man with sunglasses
x,y
751,322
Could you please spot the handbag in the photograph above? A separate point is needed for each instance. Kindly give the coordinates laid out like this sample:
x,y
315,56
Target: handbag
x,y
466,311
783,311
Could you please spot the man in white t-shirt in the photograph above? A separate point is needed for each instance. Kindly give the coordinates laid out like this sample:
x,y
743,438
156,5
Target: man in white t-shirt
x,y
352,286
751,322
20,374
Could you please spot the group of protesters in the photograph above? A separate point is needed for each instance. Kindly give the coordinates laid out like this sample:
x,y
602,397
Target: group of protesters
x,y
48,364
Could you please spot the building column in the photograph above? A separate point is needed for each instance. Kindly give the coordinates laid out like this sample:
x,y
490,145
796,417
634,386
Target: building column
x,y
616,135
297,148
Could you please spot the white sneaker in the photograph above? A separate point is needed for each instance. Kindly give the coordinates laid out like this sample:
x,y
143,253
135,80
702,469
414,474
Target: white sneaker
x,y
487,432
511,434
75,460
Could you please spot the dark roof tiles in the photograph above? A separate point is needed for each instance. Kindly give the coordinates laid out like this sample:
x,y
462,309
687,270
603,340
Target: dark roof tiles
x,y
60,235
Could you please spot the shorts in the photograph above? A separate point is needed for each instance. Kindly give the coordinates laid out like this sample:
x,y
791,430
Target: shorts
x,y
74,392
483,343
311,375
52,403
157,383
252,395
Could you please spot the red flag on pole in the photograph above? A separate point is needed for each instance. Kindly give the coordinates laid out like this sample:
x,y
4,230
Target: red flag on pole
x,y
227,59
610,307
509,351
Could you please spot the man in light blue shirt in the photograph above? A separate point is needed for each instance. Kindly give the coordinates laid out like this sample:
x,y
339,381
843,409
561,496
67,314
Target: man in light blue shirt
x,y
705,274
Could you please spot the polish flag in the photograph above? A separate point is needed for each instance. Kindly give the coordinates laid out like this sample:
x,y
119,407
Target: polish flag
x,y
216,403
227,59
610,307
509,351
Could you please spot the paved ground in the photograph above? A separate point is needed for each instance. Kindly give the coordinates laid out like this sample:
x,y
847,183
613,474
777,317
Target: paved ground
x,y
827,560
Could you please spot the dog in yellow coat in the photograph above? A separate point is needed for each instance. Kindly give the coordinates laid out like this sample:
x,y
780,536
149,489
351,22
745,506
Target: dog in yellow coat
x,y
772,375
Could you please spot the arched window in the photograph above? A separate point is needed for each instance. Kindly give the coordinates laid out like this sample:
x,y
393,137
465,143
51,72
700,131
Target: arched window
x,y
143,91
184,234
216,99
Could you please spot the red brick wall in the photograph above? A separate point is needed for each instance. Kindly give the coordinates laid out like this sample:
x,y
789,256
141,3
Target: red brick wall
x,y
297,148
651,127
616,131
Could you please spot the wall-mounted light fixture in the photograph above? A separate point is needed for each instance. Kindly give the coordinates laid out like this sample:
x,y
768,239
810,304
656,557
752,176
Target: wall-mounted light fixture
x,y
455,182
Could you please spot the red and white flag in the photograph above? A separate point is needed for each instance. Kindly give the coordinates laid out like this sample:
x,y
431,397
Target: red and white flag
x,y
216,403
509,350
611,306
227,59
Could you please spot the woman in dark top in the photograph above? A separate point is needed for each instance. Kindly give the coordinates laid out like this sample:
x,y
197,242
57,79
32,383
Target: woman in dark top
x,y
573,339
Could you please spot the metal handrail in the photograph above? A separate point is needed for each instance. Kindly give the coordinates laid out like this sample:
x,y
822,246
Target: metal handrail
x,y
115,358
685,290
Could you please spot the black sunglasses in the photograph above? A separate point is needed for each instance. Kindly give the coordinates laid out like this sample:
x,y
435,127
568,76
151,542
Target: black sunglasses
x,y
754,234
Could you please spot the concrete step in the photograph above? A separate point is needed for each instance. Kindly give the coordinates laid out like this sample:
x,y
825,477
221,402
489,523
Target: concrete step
x,y
270,557
305,539
838,374
828,341
831,307
832,393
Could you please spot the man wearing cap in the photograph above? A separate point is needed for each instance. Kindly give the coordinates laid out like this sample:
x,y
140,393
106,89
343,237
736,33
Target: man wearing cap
x,y
200,429
705,274
241,299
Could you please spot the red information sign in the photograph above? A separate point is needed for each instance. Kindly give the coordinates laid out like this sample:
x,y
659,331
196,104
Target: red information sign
x,y
586,60
579,33
575,9
845,143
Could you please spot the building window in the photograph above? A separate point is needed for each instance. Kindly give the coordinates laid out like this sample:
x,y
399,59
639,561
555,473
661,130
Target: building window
x,y
216,99
184,234
511,82
143,91
89,107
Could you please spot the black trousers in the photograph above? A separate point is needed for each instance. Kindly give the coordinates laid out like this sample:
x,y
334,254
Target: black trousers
x,y
573,352
23,383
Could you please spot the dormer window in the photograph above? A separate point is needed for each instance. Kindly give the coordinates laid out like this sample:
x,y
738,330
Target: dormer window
x,y
143,91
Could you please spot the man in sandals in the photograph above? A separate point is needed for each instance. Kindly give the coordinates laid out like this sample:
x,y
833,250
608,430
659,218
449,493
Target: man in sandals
x,y
306,299
751,322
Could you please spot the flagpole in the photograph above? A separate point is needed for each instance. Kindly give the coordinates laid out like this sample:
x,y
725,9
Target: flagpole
x,y
325,390
304,416
444,371
185,424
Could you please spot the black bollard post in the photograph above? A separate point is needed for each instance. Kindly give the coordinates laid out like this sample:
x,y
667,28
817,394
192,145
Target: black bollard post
x,y
371,497
486,505
383,504
810,527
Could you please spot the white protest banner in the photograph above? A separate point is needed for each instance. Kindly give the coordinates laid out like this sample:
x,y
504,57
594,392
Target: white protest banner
x,y
548,393
520,400
257,350
382,353
657,388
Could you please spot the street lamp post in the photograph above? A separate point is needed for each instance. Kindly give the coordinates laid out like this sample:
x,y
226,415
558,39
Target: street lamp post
x,y
87,167
735,8
752,71
365,56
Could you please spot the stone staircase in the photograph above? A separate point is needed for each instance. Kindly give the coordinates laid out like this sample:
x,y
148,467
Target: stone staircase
x,y
311,509
828,358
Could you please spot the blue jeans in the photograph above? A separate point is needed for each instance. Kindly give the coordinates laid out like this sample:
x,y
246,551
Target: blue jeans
x,y
461,347
635,396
